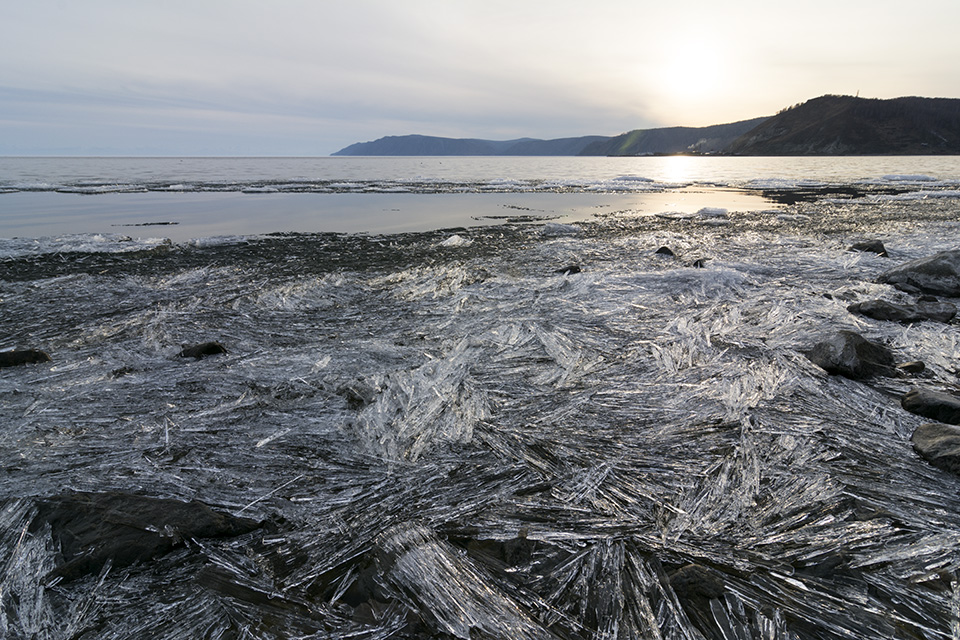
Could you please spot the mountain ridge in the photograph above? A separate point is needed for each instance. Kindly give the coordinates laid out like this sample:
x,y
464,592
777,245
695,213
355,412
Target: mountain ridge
x,y
848,125
421,145
826,125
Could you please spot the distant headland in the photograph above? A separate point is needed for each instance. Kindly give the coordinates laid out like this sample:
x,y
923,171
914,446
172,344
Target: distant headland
x,y
828,125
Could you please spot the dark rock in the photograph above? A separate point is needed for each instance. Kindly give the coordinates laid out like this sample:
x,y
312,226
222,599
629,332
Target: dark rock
x,y
92,528
695,586
699,263
823,567
569,269
938,275
665,251
359,571
917,312
22,356
364,587
935,310
300,619
794,195
203,350
358,393
938,444
870,246
508,553
851,355
913,367
696,581
935,405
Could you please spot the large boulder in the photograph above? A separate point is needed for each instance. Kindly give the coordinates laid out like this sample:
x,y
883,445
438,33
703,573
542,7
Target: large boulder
x,y
938,275
22,356
935,405
938,444
851,355
923,309
92,528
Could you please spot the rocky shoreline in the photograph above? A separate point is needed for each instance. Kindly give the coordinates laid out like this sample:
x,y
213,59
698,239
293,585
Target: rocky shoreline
x,y
705,427
99,532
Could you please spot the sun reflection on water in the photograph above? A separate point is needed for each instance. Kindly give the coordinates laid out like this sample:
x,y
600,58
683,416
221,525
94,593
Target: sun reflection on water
x,y
678,169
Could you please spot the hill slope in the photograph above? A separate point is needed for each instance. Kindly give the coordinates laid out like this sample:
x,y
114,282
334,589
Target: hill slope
x,y
417,145
710,139
844,125
639,142
828,125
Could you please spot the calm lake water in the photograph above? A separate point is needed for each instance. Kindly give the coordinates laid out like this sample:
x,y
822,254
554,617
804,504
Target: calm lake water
x,y
203,197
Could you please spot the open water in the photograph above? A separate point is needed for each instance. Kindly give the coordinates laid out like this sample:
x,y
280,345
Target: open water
x,y
450,432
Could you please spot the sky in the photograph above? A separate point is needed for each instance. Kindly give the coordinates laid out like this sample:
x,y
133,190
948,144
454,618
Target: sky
x,y
308,77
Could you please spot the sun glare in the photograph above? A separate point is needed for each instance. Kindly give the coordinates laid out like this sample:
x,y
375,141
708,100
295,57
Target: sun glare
x,y
690,70
678,169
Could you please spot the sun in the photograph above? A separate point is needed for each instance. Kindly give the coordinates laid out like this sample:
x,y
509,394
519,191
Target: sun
x,y
690,70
